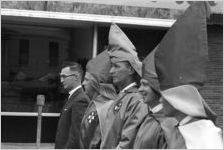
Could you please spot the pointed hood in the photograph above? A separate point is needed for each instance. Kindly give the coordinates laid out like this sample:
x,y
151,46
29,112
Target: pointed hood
x,y
118,37
149,72
123,49
97,70
181,60
99,67
183,52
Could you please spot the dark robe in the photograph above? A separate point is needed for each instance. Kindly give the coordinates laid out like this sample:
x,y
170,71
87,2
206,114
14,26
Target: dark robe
x,y
150,134
173,136
123,119
92,122
67,135
90,137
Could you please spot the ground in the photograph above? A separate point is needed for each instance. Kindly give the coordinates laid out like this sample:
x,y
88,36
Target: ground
x,y
26,146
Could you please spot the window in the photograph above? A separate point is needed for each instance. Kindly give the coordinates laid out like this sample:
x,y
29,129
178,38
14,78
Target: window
x,y
3,47
53,54
24,52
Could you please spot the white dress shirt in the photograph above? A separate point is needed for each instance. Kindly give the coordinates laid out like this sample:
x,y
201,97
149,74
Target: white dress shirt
x,y
73,91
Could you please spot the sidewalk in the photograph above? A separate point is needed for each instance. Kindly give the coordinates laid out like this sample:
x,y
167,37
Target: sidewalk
x,y
26,146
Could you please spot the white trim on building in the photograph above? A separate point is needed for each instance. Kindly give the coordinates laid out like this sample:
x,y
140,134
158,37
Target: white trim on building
x,y
61,18
34,114
95,37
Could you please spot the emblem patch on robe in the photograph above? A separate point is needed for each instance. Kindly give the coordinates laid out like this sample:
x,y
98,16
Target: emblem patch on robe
x,y
91,117
117,106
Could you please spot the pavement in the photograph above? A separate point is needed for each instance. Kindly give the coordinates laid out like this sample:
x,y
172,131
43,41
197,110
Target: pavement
x,y
26,146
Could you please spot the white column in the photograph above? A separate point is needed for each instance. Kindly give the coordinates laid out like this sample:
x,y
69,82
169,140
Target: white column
x,y
40,104
95,38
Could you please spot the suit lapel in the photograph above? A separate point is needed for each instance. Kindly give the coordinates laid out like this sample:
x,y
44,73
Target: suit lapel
x,y
75,93
71,99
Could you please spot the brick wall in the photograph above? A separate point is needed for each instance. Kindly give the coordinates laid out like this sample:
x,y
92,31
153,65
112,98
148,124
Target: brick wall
x,y
213,89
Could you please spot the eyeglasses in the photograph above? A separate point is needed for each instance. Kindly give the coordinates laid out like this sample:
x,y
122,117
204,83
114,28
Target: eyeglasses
x,y
65,76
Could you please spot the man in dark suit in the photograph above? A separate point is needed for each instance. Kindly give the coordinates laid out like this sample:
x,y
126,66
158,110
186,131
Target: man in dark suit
x,y
67,135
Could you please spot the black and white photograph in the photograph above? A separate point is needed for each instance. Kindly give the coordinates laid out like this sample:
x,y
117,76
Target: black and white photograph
x,y
112,74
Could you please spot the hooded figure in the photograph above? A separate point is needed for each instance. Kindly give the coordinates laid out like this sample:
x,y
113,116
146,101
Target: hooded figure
x,y
98,87
180,64
128,109
150,134
149,71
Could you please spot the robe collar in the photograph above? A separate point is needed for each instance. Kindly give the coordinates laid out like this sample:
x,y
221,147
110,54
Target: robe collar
x,y
157,108
185,120
128,87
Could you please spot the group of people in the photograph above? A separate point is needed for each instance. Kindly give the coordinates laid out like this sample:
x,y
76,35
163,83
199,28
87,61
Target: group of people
x,y
154,104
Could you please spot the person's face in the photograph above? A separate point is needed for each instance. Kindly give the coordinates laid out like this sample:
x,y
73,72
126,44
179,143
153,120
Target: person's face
x,y
68,78
168,109
119,72
146,90
88,85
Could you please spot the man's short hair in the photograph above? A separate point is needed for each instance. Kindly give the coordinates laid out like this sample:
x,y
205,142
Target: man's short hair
x,y
73,66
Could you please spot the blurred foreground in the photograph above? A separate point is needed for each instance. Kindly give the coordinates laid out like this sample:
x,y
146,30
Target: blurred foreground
x,y
26,146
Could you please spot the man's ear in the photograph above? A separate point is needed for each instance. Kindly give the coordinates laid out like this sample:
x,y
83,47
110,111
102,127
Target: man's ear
x,y
77,75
